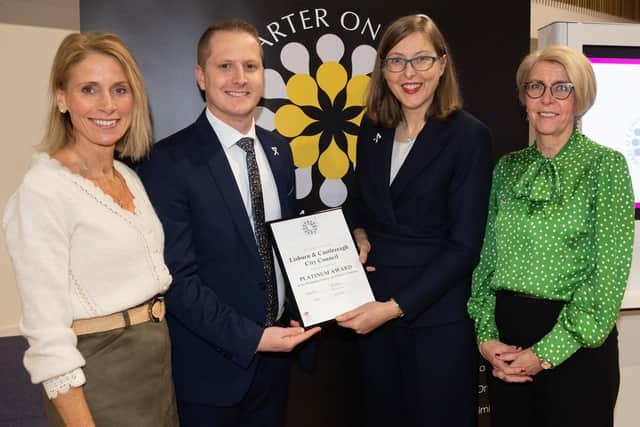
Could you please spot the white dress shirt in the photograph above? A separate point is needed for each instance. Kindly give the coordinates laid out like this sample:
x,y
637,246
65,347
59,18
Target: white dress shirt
x,y
236,156
399,153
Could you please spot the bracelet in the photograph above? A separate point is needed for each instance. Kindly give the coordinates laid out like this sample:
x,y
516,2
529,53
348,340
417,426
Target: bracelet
x,y
398,307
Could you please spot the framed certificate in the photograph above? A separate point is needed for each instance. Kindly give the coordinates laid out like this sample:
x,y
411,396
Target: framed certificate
x,y
320,263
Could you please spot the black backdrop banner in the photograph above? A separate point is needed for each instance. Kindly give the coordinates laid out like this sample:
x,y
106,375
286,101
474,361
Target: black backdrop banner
x,y
318,55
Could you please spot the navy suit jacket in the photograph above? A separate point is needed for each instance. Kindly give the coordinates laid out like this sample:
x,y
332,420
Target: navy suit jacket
x,y
425,229
216,303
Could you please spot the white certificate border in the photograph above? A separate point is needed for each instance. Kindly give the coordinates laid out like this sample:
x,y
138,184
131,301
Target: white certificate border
x,y
292,300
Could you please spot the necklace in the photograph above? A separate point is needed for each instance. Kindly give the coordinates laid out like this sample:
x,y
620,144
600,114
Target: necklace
x,y
409,134
109,182
116,188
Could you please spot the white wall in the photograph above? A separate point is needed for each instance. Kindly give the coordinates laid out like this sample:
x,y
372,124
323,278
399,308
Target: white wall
x,y
27,53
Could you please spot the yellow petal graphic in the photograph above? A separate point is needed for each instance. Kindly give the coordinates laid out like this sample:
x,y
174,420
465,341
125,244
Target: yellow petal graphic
x,y
351,146
290,120
332,77
333,162
357,90
357,119
303,90
305,150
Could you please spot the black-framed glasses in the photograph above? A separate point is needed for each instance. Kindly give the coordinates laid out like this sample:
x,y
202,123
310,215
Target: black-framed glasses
x,y
559,90
397,64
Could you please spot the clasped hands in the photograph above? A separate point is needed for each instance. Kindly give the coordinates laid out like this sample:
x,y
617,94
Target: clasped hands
x,y
510,363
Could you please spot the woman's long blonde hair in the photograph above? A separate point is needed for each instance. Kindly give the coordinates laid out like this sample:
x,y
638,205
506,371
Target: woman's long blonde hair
x,y
138,139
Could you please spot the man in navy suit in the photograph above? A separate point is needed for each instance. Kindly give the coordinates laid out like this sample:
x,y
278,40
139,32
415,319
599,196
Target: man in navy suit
x,y
229,338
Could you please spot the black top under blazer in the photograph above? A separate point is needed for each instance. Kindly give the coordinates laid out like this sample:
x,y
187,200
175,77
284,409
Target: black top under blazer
x,y
426,229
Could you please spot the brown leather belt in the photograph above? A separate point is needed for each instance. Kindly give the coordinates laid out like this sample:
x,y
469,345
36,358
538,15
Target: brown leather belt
x,y
151,311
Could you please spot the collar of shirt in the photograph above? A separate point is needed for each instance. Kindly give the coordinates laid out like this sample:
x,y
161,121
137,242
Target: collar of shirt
x,y
227,135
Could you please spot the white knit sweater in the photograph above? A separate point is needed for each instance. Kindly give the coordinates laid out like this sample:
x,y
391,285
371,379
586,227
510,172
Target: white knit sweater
x,y
77,254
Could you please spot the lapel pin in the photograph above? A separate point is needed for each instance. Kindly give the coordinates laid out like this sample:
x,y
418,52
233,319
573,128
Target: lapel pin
x,y
377,138
275,151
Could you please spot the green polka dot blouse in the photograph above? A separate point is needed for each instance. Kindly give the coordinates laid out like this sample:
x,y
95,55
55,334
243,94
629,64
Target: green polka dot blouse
x,y
562,229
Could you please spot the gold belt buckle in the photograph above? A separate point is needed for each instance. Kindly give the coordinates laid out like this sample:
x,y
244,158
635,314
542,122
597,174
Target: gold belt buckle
x,y
156,309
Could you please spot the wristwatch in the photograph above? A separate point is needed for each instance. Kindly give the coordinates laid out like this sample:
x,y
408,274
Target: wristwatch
x,y
545,364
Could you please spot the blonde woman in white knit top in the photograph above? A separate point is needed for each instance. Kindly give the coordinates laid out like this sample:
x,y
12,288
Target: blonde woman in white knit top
x,y
87,248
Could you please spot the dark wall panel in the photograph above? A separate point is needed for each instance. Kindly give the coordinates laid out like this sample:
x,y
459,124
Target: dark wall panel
x,y
487,39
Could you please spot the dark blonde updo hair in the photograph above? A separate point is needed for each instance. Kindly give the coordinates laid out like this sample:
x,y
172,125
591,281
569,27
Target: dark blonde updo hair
x,y
382,106
137,141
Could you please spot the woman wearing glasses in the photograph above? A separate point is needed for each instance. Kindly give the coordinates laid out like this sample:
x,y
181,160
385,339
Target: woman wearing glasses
x,y
417,209
555,259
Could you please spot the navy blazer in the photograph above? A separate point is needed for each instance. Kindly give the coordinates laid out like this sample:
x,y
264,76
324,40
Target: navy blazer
x,y
426,229
216,303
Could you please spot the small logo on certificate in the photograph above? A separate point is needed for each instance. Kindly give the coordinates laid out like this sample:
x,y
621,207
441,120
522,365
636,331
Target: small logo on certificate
x,y
310,226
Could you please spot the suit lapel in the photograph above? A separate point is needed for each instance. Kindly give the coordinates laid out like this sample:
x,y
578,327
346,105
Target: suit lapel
x,y
277,158
381,142
426,149
224,180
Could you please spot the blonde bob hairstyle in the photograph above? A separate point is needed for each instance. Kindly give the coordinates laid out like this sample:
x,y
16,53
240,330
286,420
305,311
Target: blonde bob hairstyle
x,y
382,106
576,65
137,141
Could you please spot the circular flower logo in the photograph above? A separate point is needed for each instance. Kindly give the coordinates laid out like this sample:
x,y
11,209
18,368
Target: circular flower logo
x,y
310,227
634,141
322,113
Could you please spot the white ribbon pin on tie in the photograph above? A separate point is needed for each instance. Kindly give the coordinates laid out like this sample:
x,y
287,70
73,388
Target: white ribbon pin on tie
x,y
377,138
275,151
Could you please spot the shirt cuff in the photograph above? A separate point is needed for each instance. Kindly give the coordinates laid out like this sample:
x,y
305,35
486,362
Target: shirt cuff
x,y
62,383
483,336
486,330
557,346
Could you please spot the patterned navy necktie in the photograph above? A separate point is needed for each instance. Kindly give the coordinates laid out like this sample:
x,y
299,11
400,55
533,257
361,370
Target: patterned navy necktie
x,y
264,245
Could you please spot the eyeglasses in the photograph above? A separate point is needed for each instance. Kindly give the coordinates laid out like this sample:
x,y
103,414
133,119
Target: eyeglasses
x,y
559,90
397,64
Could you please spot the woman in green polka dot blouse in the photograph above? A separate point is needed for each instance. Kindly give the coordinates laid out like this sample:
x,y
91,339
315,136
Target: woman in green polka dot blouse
x,y
555,259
